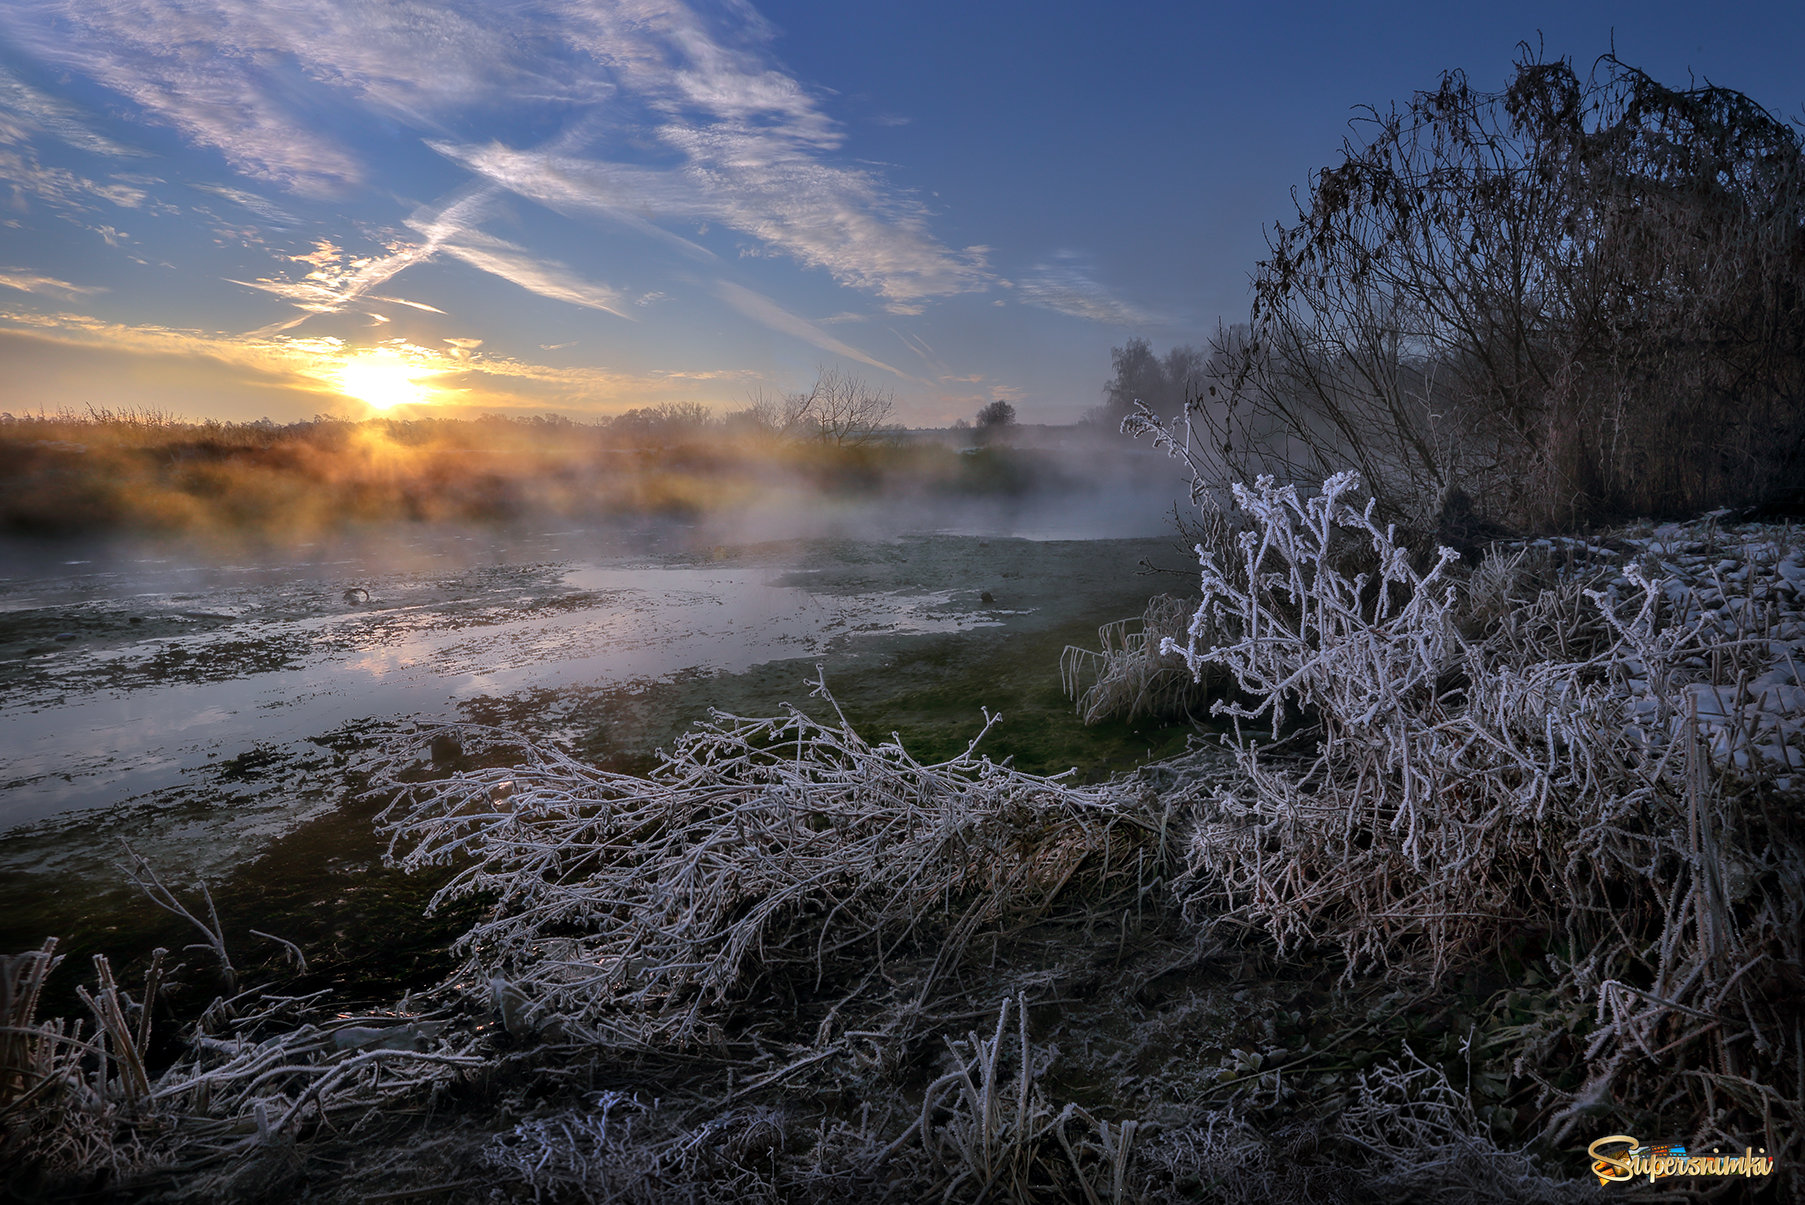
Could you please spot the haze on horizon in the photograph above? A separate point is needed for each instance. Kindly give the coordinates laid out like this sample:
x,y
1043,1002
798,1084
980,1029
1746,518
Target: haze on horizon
x,y
225,209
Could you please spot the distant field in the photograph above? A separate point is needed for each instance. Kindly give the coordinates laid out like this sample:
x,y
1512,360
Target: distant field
x,y
66,475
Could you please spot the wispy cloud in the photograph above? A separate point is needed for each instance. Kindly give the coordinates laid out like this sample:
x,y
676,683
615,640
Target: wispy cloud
x,y
62,188
548,278
673,118
922,348
31,282
771,186
264,84
337,280
747,148
763,310
266,210
418,305
1066,286
212,69
249,79
24,109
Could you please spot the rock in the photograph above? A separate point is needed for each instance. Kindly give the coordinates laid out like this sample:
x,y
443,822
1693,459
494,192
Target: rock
x,y
987,598
356,596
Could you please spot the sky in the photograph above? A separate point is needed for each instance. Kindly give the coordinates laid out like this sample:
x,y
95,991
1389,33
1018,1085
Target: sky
x,y
238,209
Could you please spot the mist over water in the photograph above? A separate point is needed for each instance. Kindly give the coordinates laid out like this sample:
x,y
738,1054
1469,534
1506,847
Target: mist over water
x,y
200,699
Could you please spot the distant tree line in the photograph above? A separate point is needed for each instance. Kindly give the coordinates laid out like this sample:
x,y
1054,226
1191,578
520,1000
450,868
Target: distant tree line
x,y
1574,300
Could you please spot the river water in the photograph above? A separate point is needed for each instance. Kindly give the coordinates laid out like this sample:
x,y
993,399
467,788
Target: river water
x,y
202,706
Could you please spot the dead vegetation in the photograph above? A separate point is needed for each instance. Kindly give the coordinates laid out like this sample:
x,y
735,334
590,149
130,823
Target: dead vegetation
x,y
1130,674
1610,766
762,851
794,965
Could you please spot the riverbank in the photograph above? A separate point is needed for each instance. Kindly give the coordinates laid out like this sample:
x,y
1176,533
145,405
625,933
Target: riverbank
x,y
793,964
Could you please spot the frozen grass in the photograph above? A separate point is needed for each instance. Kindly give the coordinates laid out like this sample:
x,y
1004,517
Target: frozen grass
x,y
79,1103
643,909
770,969
1131,674
1466,789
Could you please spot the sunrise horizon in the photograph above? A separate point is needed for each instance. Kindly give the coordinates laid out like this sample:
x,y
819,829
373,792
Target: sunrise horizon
x,y
221,212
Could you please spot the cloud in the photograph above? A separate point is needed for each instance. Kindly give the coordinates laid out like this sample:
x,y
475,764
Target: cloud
x,y
337,280
418,305
548,278
24,109
1066,286
61,187
744,146
764,184
268,211
673,118
213,70
31,282
268,86
251,80
922,348
314,366
762,309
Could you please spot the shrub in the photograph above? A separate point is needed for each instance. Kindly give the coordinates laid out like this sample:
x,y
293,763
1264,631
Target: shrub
x,y
1600,786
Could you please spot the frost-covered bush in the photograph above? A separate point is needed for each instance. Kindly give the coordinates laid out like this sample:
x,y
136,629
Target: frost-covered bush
x,y
1625,789
643,909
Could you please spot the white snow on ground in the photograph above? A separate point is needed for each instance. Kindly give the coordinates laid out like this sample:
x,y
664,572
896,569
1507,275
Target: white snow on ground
x,y
1738,590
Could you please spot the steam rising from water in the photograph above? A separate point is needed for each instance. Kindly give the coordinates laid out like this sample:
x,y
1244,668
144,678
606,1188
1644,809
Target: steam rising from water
x,y
203,694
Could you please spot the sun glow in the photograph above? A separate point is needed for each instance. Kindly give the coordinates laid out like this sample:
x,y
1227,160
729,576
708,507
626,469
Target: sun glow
x,y
383,381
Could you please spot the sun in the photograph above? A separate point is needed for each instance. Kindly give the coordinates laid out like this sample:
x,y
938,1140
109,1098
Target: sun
x,y
383,381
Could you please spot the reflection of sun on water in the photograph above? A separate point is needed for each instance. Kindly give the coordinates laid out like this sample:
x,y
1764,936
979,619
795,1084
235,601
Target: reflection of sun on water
x,y
382,381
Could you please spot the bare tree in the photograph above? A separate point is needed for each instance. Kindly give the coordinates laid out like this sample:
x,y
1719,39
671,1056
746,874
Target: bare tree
x,y
847,411
1571,300
839,409
664,425
789,416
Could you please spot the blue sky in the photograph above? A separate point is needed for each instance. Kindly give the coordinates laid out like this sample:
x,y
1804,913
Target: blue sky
x,y
241,208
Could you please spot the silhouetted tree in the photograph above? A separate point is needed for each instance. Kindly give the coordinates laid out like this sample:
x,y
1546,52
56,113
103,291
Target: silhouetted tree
x,y
997,414
663,425
1574,299
839,409
1162,385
